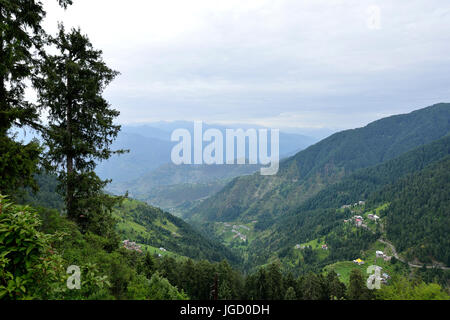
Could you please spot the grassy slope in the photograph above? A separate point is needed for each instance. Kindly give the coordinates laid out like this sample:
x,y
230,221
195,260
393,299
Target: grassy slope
x,y
153,227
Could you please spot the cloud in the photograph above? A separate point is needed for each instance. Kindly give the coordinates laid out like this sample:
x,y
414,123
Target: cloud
x,y
297,63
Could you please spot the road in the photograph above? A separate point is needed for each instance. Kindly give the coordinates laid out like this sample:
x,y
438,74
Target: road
x,y
394,252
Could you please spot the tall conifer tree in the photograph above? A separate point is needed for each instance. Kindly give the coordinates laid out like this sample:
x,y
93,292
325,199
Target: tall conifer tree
x,y
81,129
21,35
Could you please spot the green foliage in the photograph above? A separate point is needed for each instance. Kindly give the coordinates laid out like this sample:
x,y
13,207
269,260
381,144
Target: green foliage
x,y
47,194
357,288
417,219
290,294
21,32
140,222
401,288
21,35
18,162
29,265
161,289
197,278
336,289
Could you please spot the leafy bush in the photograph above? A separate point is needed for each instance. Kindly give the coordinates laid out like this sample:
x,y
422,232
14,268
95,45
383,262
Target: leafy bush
x,y
29,265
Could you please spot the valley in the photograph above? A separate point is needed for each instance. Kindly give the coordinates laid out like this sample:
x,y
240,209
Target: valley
x,y
342,216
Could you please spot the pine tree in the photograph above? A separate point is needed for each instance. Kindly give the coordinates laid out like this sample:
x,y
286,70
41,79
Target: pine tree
x,y
225,292
312,288
80,130
290,294
336,289
148,265
275,281
357,288
21,34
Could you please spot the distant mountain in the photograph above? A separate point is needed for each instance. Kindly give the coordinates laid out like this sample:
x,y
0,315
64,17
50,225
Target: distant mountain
x,y
147,170
145,154
329,161
148,131
170,186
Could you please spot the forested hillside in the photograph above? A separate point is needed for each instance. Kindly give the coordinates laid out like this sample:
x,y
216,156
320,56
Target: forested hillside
x,y
417,219
365,181
139,222
411,192
329,161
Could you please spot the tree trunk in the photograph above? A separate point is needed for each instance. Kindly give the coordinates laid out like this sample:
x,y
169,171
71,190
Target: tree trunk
x,y
69,156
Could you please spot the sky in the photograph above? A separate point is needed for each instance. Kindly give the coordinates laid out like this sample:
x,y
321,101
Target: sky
x,y
283,63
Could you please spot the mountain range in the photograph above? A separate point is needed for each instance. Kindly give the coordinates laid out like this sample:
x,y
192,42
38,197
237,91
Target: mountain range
x,y
381,165
148,174
327,162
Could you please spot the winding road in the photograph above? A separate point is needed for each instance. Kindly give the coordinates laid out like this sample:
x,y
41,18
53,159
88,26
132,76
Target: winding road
x,y
394,252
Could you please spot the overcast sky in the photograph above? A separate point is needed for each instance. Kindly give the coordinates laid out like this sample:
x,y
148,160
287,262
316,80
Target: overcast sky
x,y
314,63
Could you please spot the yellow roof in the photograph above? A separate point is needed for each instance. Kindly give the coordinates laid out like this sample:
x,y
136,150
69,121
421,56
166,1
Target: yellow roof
x,y
359,260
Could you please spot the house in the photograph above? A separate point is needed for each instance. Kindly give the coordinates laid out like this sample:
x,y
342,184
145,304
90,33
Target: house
x,y
361,203
359,261
384,278
380,254
298,246
324,247
127,244
162,249
346,206
358,222
373,217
